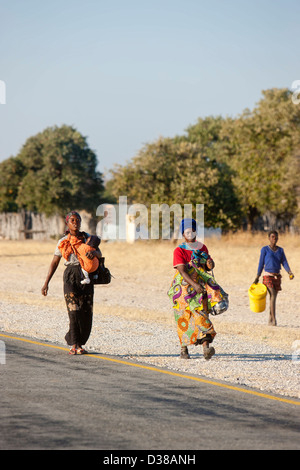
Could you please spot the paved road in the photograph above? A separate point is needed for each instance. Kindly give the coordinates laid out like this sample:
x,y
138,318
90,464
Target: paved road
x,y
50,400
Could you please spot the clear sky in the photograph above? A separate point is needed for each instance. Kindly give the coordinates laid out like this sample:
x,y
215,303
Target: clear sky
x,y
124,72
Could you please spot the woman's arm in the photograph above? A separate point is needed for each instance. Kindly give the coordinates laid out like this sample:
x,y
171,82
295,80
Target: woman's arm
x,y
53,266
261,264
189,280
284,262
286,266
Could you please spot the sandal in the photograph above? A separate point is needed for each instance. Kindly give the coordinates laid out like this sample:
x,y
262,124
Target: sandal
x,y
81,351
73,351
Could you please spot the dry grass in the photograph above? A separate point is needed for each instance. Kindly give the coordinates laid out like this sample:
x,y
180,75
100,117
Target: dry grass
x,y
259,239
143,273
236,256
12,248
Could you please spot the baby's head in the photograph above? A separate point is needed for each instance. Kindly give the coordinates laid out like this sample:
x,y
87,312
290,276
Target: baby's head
x,y
93,241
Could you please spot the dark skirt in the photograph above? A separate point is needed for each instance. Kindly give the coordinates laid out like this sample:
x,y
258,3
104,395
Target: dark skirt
x,y
79,300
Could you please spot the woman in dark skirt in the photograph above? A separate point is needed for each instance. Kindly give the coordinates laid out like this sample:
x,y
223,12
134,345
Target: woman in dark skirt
x,y
79,297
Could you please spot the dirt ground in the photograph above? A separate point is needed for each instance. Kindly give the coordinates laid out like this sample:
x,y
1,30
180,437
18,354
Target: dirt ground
x,y
142,276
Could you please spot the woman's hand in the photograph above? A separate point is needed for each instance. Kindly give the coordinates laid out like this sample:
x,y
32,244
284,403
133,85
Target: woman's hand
x,y
92,254
199,289
45,289
53,266
210,264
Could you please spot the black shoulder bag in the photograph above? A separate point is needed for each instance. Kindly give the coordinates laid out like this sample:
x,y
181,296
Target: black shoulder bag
x,y
102,275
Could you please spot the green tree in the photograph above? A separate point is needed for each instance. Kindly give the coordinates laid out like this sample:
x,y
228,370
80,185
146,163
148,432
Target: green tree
x,y
175,171
59,173
206,134
11,174
260,147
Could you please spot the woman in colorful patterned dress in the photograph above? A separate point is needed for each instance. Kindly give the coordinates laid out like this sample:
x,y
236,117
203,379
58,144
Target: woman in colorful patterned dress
x,y
194,293
78,296
271,259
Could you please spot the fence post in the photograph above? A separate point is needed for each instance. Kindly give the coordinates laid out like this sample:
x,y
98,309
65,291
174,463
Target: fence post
x,y
2,353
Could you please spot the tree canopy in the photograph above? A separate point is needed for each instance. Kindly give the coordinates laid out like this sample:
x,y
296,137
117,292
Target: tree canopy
x,y
172,172
239,168
54,172
262,148
11,174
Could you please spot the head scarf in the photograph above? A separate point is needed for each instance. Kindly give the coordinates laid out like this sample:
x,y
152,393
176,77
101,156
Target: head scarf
x,y
188,223
68,216
72,213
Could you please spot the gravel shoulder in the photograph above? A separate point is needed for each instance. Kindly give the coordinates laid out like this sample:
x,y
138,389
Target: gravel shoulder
x,y
133,317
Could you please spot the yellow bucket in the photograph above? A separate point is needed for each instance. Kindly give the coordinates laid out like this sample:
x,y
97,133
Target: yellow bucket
x,y
257,297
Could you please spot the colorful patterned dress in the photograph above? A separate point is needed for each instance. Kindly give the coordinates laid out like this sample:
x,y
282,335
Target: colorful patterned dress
x,y
193,323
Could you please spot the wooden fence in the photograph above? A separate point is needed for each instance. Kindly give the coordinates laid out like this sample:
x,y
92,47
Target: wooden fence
x,y
30,225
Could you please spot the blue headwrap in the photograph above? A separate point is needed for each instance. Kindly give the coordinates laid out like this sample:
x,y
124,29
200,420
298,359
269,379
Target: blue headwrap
x,y
188,223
